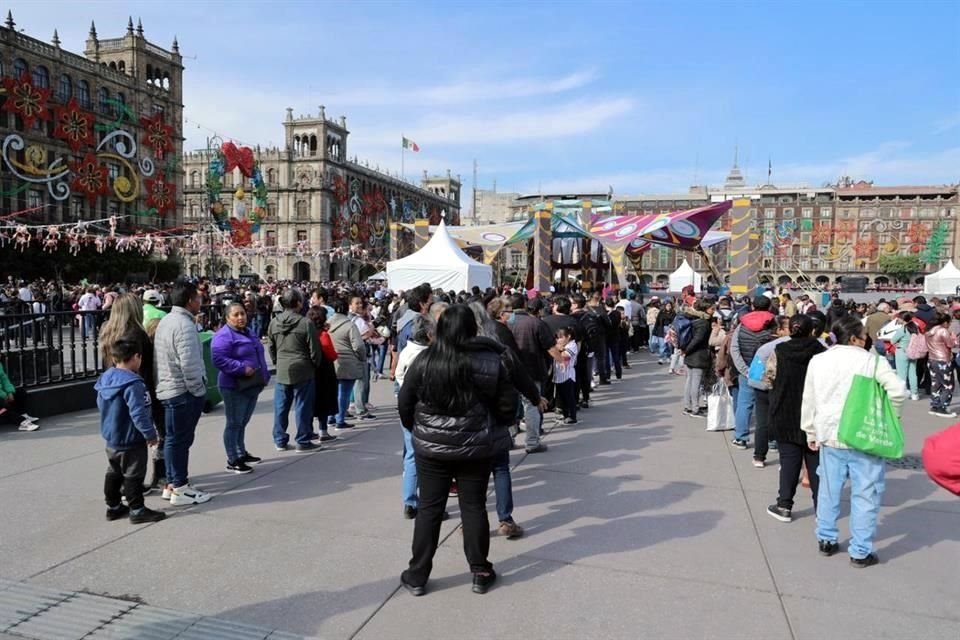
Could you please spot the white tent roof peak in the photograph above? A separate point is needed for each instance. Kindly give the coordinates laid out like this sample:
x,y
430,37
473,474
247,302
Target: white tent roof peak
x,y
442,263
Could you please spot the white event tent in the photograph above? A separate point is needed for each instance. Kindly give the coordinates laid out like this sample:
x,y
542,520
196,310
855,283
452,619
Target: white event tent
x,y
685,276
441,263
943,282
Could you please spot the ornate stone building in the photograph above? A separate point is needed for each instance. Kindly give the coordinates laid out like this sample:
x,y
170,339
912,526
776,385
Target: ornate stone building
x,y
327,217
93,136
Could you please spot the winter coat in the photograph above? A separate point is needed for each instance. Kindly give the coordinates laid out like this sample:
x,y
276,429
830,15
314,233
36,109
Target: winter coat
x,y
178,357
664,320
232,351
481,431
351,350
940,344
788,370
294,348
6,387
534,339
652,313
748,337
698,354
124,404
827,385
325,383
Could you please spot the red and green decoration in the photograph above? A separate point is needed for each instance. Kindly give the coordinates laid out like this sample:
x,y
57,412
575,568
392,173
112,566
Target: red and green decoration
x,y
245,221
157,134
74,125
160,193
89,177
25,100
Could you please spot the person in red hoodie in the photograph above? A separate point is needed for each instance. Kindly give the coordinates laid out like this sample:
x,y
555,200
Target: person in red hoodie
x,y
755,330
325,398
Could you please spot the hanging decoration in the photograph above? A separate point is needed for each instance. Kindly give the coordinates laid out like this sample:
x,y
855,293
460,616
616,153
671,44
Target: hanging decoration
x,y
245,219
89,177
25,100
160,193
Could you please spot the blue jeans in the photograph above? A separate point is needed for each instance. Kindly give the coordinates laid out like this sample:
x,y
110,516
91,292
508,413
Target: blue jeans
x,y
866,475
503,487
666,349
181,415
379,357
344,389
409,471
300,396
89,325
745,401
238,407
654,342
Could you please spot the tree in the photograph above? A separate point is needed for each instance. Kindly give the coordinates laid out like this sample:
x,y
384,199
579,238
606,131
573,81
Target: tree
x,y
902,268
931,254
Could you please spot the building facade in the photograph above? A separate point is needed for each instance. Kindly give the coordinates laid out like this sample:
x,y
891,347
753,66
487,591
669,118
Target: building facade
x,y
327,217
94,136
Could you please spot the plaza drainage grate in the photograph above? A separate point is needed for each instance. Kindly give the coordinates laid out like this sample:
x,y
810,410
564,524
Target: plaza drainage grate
x,y
38,613
913,463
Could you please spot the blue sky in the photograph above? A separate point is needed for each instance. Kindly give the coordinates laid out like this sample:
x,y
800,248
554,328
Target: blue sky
x,y
572,96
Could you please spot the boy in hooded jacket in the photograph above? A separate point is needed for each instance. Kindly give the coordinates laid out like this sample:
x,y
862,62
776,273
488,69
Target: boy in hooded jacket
x,y
127,428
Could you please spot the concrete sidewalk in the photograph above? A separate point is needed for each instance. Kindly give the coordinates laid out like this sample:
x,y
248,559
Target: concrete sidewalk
x,y
639,524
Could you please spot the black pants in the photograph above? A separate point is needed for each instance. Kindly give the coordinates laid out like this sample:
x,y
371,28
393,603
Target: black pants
x,y
615,358
584,375
761,410
603,366
433,478
641,336
792,458
567,399
125,471
923,375
13,414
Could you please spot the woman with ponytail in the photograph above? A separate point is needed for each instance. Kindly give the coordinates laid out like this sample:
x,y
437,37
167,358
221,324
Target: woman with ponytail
x,y
825,390
787,372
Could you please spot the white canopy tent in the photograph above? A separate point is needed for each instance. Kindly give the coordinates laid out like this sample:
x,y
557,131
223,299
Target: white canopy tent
x,y
943,282
685,276
441,263
382,275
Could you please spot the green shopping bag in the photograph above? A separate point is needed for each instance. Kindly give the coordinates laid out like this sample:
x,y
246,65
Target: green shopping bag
x,y
869,422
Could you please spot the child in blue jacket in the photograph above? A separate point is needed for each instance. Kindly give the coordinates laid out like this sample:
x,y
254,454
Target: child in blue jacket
x,y
127,427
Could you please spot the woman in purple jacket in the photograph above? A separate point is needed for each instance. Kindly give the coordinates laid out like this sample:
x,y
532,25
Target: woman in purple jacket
x,y
239,356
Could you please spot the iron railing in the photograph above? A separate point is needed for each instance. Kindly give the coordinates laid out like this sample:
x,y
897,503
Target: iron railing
x,y
54,347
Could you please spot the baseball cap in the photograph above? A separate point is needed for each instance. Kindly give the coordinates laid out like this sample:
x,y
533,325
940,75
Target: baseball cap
x,y
151,295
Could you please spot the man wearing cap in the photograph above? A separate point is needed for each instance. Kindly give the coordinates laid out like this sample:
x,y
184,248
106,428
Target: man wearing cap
x,y
151,298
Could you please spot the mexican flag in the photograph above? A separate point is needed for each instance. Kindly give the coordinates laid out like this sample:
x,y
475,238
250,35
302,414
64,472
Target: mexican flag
x,y
410,145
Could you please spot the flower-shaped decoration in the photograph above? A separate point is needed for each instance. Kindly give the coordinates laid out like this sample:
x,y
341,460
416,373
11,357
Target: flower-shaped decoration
x,y
340,191
160,193
822,233
919,232
89,177
845,230
865,247
26,100
157,134
73,125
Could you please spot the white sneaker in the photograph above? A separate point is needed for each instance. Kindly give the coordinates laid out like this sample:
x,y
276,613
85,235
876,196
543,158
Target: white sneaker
x,y
167,492
30,417
26,425
188,495
914,396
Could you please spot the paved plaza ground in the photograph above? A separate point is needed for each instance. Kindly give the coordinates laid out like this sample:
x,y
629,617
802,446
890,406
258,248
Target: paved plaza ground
x,y
639,525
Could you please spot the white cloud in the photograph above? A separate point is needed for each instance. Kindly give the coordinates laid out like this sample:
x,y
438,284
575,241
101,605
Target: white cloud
x,y
552,122
464,92
947,124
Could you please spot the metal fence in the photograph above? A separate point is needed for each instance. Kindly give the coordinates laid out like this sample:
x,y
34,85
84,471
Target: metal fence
x,y
62,346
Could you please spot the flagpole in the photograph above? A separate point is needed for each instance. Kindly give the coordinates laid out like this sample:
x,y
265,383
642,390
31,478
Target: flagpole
x,y
403,148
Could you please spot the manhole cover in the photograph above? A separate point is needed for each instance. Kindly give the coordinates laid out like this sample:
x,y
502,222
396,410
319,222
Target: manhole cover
x,y
907,462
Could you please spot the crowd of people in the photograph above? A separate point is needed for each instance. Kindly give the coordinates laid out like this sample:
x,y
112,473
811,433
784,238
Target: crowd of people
x,y
471,370
789,368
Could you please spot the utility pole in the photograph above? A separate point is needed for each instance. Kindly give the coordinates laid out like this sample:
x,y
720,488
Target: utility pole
x,y
474,192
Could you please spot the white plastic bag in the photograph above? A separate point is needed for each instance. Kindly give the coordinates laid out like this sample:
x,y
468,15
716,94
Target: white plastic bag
x,y
720,408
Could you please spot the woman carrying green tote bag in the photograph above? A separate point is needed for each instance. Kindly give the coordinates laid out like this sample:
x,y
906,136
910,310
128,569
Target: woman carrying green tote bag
x,y
834,378
869,423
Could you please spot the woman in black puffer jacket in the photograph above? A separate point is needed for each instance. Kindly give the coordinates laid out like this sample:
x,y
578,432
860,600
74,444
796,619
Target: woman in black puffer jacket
x,y
458,400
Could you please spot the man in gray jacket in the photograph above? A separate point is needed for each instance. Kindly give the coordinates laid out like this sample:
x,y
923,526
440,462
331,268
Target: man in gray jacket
x,y
181,388
295,351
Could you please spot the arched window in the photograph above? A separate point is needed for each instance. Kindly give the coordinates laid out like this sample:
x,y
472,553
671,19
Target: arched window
x,y
313,145
122,99
103,100
64,88
19,67
271,176
301,209
194,178
228,179
270,270
166,81
195,211
113,65
122,66
41,77
83,94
